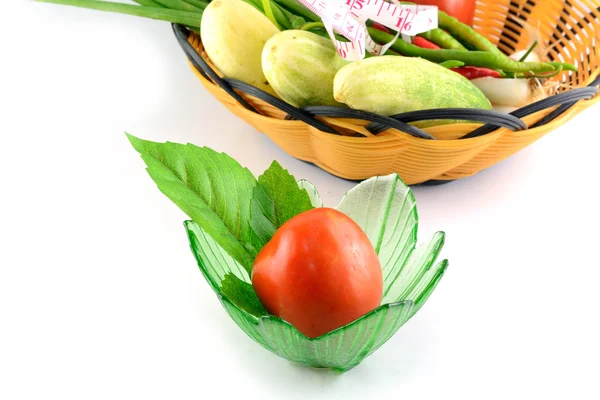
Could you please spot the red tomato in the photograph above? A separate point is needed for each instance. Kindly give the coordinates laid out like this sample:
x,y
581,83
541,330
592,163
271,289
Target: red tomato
x,y
318,272
462,10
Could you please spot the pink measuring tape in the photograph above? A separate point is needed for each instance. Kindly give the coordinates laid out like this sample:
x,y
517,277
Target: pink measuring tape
x,y
349,17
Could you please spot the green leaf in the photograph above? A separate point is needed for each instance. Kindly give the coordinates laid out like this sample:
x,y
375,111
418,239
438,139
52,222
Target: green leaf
x,y
262,211
243,295
276,199
212,188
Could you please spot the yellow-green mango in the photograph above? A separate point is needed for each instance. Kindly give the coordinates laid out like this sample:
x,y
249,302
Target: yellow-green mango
x,y
233,34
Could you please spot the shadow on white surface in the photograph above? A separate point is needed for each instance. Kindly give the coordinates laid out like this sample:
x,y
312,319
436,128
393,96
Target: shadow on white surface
x,y
100,296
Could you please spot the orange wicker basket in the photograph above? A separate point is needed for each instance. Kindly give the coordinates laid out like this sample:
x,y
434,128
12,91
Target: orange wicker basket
x,y
356,145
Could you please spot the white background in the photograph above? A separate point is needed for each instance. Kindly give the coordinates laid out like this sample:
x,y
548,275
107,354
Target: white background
x,y
100,297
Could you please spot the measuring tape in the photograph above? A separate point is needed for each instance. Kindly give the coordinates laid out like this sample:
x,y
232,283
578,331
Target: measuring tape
x,y
349,17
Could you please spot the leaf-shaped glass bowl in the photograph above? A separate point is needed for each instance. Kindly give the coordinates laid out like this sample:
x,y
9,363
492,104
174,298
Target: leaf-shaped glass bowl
x,y
385,208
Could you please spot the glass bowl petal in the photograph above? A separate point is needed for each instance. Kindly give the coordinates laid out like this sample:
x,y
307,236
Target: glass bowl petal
x,y
341,349
385,209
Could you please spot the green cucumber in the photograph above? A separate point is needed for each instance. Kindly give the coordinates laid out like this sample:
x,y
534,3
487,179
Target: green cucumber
x,y
300,67
389,85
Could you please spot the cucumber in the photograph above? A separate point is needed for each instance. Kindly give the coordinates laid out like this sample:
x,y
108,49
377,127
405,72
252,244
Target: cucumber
x,y
389,85
233,34
300,67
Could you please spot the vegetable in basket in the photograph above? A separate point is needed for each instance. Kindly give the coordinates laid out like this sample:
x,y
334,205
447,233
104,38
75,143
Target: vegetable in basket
x,y
486,54
300,66
234,34
468,72
238,53
389,85
510,92
478,58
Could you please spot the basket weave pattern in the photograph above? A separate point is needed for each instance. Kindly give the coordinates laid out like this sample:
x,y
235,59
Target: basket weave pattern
x,y
567,31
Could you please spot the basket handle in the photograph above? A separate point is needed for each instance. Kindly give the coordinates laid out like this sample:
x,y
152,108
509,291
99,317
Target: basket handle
x,y
565,100
282,105
376,119
498,119
198,62
182,35
493,120
305,115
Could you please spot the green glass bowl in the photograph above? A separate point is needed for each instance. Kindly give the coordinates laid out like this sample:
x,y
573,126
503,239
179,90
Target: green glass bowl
x,y
386,210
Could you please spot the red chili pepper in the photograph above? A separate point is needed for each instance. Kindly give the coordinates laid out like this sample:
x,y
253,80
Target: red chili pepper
x,y
380,27
424,43
476,72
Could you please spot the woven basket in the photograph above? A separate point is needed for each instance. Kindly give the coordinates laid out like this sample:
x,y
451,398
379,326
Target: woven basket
x,y
356,145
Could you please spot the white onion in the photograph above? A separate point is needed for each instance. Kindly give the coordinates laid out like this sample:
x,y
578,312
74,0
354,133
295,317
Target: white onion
x,y
510,92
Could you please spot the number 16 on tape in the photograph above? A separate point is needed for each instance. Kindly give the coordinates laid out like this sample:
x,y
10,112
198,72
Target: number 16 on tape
x,y
348,18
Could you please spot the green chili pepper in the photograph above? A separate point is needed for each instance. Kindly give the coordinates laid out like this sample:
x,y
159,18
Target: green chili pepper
x,y
471,58
281,16
527,53
299,9
297,22
452,64
564,66
442,39
285,18
312,25
468,34
269,13
541,76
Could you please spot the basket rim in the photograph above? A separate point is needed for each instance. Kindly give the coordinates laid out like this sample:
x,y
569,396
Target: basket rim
x,y
491,120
